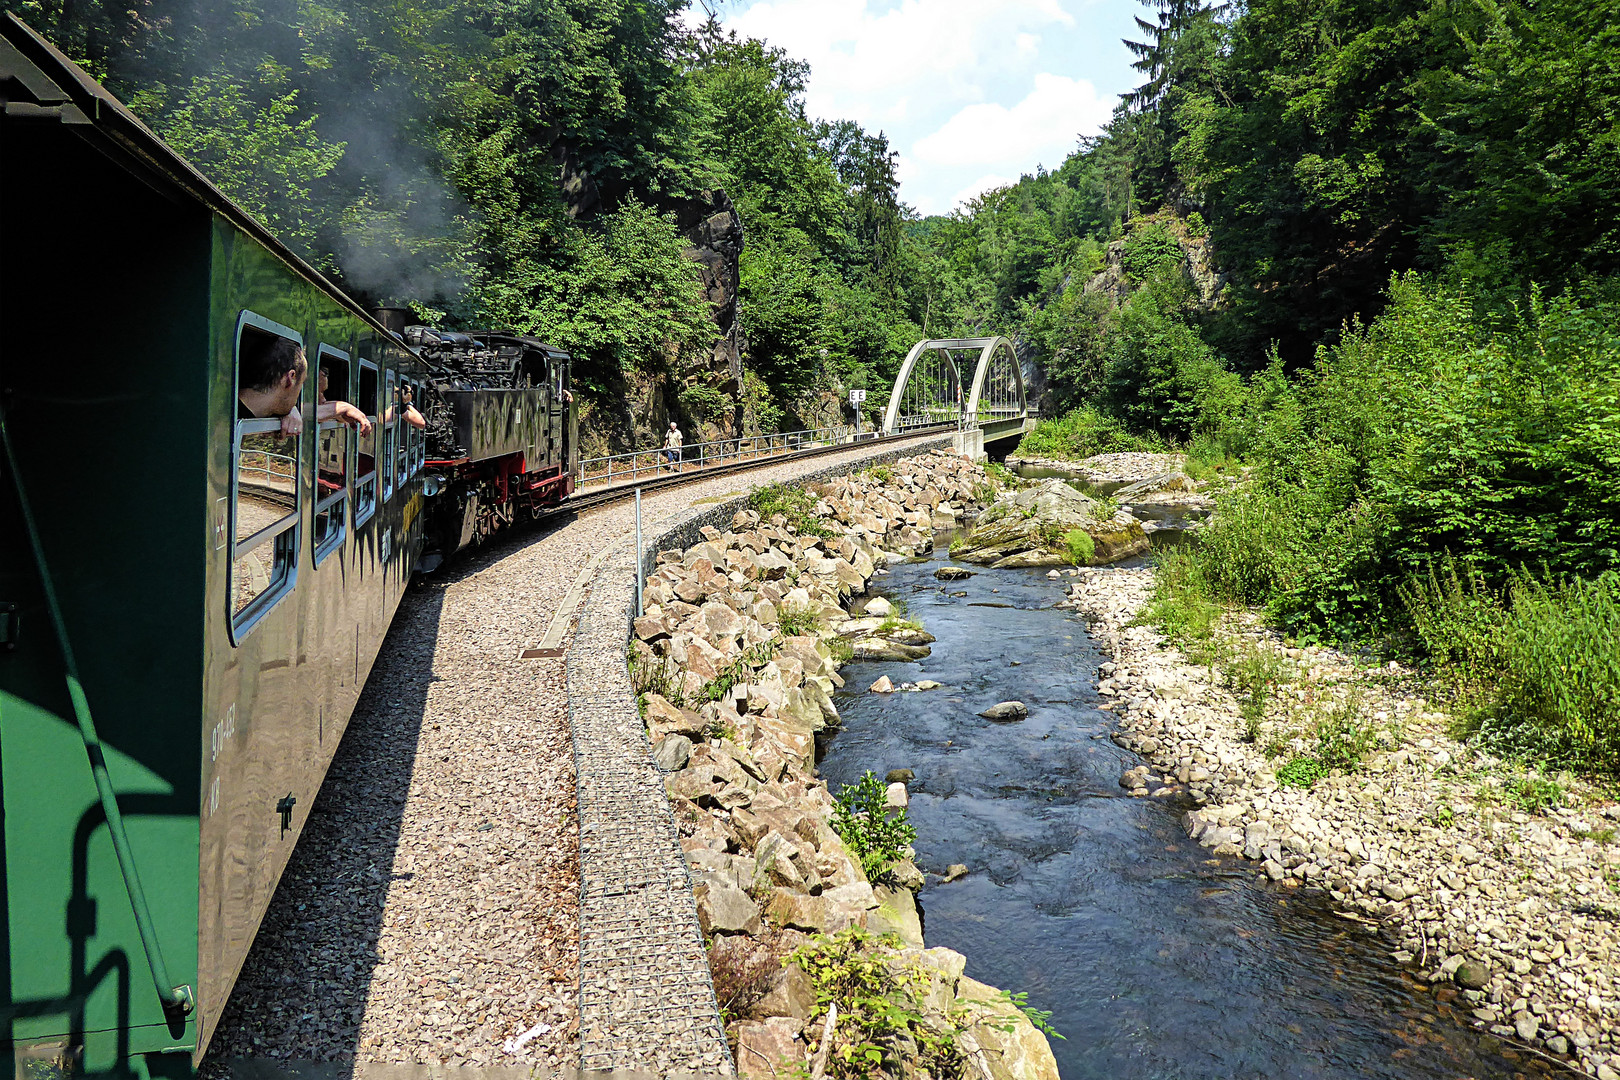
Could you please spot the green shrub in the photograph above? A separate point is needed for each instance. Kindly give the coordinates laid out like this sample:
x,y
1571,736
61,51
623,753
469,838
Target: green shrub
x,y
1081,433
1149,246
1253,676
1078,547
880,1022
873,834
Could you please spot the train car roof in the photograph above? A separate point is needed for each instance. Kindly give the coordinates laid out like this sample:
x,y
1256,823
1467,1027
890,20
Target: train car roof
x,y
38,82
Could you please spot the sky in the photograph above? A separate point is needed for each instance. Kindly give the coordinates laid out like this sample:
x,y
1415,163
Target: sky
x,y
971,93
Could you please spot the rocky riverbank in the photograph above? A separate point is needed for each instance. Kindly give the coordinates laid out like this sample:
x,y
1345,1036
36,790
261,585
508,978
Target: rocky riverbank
x,y
1501,887
1126,467
737,654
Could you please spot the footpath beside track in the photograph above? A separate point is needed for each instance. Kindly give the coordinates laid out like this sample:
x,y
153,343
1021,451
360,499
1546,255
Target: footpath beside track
x,y
431,915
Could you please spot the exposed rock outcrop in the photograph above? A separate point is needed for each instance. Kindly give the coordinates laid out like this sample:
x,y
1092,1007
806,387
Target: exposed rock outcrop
x,y
1028,528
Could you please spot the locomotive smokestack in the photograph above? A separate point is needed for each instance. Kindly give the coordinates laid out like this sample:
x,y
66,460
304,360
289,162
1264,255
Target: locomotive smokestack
x,y
395,319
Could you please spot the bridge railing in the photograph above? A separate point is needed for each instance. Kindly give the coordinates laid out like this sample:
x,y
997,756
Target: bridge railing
x,y
636,464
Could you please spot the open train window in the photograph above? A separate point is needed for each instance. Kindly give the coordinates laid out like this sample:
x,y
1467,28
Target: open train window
x,y
365,467
331,454
402,435
271,371
390,433
418,435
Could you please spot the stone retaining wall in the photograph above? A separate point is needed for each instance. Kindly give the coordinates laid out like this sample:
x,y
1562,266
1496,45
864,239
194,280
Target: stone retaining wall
x,y
646,997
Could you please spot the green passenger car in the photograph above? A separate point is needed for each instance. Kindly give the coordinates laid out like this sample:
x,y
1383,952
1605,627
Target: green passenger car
x,y
220,590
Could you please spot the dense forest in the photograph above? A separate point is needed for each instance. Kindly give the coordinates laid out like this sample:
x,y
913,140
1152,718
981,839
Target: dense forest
x,y
1364,253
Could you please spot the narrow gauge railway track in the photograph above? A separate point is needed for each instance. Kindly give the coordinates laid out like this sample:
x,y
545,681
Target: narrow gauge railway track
x,y
588,499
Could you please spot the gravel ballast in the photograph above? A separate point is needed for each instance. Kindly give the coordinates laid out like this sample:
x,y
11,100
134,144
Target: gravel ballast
x,y
430,913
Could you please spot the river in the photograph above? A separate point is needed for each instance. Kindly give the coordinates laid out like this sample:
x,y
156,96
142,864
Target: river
x,y
1156,959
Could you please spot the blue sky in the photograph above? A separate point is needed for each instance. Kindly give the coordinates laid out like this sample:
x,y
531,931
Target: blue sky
x,y
972,93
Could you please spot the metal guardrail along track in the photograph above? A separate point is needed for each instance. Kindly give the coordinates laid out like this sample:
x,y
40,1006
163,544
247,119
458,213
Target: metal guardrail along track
x,y
604,496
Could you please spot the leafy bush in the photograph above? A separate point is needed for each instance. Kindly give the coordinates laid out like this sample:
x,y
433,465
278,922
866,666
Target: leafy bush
x,y
704,403
874,835
1082,433
1302,772
1150,246
880,1009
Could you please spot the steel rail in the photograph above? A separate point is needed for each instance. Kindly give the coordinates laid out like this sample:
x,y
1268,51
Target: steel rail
x,y
605,496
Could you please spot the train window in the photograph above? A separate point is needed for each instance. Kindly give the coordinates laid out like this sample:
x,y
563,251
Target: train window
x,y
402,430
418,435
365,468
390,433
331,454
270,374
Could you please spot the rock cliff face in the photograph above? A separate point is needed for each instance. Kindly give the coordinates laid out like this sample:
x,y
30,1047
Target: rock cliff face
x,y
702,393
1197,260
714,230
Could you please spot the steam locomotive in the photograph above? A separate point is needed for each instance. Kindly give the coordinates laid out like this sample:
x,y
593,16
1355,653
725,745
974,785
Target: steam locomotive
x,y
191,599
501,427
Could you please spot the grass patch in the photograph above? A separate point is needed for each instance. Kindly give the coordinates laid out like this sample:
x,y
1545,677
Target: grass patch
x,y
798,622
1182,607
1078,547
796,505
1535,665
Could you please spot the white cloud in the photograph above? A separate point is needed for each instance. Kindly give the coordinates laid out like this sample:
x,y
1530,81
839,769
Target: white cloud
x,y
970,93
870,64
1042,128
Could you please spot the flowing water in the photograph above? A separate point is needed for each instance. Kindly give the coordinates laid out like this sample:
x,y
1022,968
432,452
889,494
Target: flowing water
x,y
1156,959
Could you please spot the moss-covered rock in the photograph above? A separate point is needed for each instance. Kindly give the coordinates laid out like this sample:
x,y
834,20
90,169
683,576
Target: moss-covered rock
x,y
1029,527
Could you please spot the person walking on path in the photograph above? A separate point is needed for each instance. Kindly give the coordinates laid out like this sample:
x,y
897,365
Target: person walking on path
x,y
672,447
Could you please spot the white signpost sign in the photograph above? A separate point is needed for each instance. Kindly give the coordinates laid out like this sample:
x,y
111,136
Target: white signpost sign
x,y
857,398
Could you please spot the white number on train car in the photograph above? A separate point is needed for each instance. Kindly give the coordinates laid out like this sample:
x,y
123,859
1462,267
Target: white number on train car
x,y
223,732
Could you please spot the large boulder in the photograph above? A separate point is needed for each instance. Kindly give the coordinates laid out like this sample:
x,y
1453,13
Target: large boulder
x,y
1027,528
1172,486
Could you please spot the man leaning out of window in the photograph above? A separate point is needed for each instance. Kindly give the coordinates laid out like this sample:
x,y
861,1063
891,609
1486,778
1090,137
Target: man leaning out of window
x,y
272,378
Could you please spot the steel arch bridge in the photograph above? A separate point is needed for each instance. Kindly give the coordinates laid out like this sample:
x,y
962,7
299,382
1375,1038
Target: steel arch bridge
x,y
929,388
